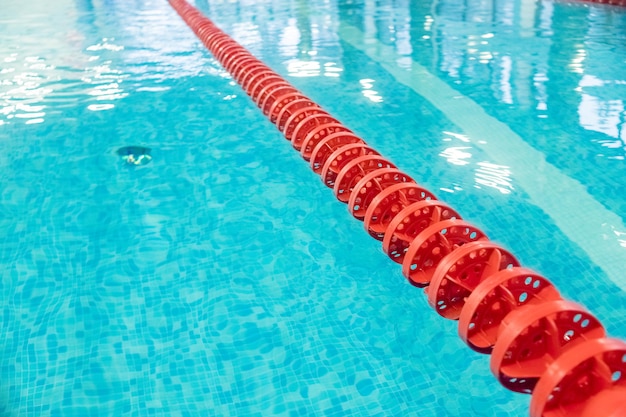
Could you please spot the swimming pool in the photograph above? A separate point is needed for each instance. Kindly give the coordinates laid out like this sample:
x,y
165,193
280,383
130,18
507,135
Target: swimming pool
x,y
222,277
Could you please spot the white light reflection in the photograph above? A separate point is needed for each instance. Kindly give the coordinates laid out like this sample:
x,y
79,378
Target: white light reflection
x,y
368,90
506,65
403,42
493,176
428,22
290,39
22,100
29,81
459,136
100,107
576,65
457,155
485,57
105,45
601,116
299,68
451,190
302,68
107,92
602,112
106,81
541,95
621,237
332,70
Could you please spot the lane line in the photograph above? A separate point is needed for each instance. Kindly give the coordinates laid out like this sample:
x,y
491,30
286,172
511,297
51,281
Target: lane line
x,y
587,223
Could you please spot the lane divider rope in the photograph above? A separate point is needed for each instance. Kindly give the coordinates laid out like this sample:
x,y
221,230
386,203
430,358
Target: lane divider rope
x,y
540,343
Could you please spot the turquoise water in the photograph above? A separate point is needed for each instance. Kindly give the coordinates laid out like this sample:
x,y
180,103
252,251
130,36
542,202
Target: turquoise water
x,y
223,278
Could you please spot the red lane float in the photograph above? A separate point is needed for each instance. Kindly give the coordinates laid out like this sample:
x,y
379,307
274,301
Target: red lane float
x,y
338,159
268,99
411,221
588,380
316,135
532,337
354,171
307,125
459,273
539,343
388,203
371,185
429,247
303,120
497,296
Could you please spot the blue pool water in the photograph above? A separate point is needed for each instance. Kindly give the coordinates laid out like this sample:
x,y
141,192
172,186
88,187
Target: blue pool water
x,y
223,278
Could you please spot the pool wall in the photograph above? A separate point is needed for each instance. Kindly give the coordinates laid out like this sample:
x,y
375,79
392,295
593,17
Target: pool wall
x,y
621,3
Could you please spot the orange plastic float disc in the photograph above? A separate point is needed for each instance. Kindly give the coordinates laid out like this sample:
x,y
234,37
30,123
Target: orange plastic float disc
x,y
306,126
460,272
213,39
206,30
250,71
280,102
411,221
217,43
226,50
229,52
354,170
430,246
195,17
339,158
370,186
316,135
388,203
496,297
256,75
277,109
206,26
210,39
239,62
588,380
243,68
191,13
267,89
247,70
299,115
220,41
249,82
259,85
240,66
230,61
530,338
232,53
273,96
289,109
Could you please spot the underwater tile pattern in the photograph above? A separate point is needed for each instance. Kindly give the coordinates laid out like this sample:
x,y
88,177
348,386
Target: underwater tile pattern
x,y
221,278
